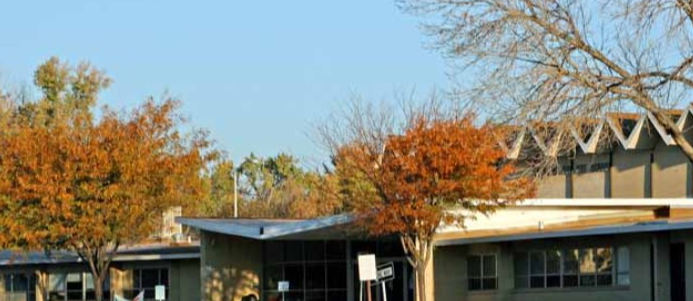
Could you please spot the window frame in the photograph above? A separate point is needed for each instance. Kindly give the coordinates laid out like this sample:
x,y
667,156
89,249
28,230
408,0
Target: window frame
x,y
482,275
565,254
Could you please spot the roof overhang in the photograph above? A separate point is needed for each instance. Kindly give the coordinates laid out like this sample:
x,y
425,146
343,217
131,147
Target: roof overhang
x,y
655,226
265,229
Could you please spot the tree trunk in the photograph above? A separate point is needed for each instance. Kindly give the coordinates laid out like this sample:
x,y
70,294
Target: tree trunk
x,y
420,271
98,287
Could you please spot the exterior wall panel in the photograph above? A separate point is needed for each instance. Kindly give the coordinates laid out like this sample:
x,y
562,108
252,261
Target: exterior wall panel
x,y
231,267
628,173
451,281
670,173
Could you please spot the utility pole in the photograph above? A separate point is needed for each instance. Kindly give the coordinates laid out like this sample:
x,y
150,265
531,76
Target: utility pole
x,y
235,194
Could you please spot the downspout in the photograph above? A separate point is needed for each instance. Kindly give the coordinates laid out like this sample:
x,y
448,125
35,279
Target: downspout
x,y
653,263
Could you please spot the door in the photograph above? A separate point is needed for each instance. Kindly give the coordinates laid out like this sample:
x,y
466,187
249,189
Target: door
x,y
677,268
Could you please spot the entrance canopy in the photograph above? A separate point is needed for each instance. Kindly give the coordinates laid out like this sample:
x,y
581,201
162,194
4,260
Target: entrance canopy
x,y
270,229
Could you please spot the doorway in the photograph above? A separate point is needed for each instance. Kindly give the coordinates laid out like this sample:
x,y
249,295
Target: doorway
x,y
677,269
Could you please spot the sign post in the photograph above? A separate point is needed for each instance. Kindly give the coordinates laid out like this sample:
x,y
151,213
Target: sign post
x,y
385,272
283,287
367,272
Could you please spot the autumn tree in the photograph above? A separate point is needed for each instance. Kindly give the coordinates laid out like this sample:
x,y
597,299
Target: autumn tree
x,y
548,60
437,168
70,181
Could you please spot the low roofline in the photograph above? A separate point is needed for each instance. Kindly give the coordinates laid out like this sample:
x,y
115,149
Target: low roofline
x,y
655,226
606,202
269,231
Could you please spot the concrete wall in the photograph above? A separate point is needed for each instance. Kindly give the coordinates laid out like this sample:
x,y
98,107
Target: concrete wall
x,y
231,267
590,184
629,173
670,173
451,283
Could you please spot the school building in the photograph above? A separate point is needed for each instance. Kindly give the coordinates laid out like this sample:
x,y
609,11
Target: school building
x,y
613,222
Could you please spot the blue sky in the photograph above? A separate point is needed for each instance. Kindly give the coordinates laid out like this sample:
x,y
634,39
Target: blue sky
x,y
257,74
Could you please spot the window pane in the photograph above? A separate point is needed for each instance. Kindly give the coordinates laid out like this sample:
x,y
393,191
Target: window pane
x,y
604,280
624,279
164,277
74,296
315,296
536,263
489,266
521,282
336,275
294,274
336,250
474,284
570,281
150,278
74,282
274,251
20,283
474,266
553,262
57,282
536,281
390,248
336,296
489,283
570,262
603,260
587,280
294,251
273,274
521,264
315,250
587,263
553,281
315,276
8,282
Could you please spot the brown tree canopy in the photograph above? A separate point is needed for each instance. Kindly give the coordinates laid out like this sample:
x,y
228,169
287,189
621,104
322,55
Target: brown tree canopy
x,y
71,181
438,168
563,60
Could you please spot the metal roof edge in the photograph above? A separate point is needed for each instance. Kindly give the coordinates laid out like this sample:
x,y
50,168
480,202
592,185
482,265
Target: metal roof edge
x,y
605,230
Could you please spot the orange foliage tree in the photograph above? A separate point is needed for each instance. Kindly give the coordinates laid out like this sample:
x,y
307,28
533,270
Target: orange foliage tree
x,y
91,186
439,170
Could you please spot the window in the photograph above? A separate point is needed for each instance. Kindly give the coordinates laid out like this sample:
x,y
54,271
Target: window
x,y
75,286
481,272
146,280
316,270
19,287
587,267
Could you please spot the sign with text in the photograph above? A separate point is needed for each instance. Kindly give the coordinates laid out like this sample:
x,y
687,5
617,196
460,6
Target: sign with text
x,y
160,292
386,272
367,267
283,286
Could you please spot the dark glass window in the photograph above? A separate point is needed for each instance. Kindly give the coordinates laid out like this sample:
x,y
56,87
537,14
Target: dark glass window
x,y
315,270
585,267
146,280
274,251
336,276
336,250
294,251
315,276
315,250
481,272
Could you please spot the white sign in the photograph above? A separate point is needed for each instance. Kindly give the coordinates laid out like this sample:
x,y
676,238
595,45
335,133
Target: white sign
x,y
367,268
160,292
283,286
